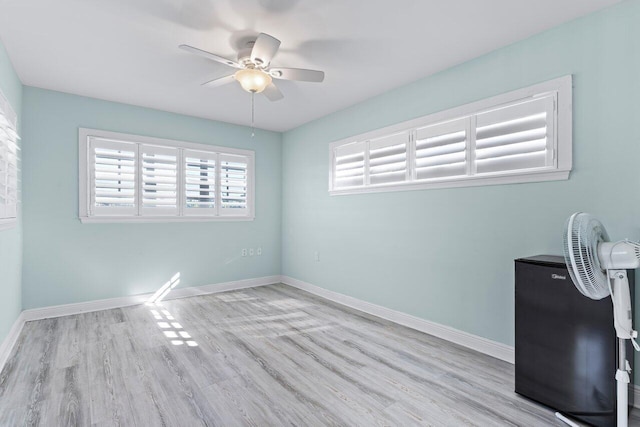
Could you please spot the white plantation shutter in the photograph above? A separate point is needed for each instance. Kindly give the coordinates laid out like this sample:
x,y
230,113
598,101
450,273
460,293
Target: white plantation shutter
x,y
234,181
8,175
349,165
515,137
441,150
4,166
130,178
388,159
113,177
200,182
9,161
159,180
11,181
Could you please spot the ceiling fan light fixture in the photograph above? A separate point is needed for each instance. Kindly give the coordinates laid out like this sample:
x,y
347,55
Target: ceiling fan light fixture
x,y
252,80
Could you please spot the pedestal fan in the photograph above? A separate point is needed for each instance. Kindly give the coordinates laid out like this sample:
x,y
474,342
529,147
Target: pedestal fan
x,y
598,269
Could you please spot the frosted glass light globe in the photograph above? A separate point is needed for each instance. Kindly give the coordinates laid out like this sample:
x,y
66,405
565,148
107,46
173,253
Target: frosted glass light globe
x,y
253,80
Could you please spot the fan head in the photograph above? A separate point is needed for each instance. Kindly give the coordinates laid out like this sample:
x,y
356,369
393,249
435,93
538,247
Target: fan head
x,y
582,237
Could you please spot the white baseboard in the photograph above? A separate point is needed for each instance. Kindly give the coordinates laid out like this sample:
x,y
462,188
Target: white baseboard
x,y
10,340
474,342
223,287
106,304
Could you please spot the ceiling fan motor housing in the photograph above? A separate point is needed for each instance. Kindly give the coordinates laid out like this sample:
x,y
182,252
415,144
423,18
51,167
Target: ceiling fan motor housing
x,y
244,56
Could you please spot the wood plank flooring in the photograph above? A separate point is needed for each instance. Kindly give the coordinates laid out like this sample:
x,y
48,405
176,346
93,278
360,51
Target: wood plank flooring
x,y
265,356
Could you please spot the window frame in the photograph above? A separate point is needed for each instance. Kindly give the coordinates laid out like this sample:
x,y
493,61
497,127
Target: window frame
x,y
85,179
7,222
560,88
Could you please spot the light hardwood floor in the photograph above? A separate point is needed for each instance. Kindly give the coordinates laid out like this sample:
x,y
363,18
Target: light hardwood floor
x,y
265,356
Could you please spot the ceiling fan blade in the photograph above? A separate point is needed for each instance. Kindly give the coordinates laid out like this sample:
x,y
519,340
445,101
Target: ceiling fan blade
x,y
272,93
220,81
297,74
264,48
210,55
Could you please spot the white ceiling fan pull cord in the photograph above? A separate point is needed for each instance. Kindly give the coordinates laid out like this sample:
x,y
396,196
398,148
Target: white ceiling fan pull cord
x,y
253,128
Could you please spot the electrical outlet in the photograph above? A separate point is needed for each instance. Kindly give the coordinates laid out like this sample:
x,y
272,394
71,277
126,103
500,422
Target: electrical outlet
x,y
317,256
244,252
250,251
259,251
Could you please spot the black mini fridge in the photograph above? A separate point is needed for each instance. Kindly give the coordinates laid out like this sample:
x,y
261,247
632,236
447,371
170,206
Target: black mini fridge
x,y
565,343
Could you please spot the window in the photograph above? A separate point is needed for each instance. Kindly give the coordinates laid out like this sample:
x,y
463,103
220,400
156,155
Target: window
x,y
133,178
9,160
520,136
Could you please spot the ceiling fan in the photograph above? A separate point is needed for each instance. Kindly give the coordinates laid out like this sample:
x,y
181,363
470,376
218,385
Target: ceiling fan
x,y
255,73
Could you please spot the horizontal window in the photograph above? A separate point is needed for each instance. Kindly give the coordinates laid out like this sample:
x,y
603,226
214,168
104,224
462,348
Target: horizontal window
x,y
520,136
132,178
9,165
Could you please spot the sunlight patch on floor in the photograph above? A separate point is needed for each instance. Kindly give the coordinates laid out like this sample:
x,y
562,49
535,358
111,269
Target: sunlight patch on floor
x,y
271,325
164,319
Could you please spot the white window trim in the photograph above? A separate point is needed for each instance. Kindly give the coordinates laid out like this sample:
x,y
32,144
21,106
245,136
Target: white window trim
x,y
83,173
563,134
10,115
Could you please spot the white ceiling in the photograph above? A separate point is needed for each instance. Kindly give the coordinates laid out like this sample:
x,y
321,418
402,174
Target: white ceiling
x,y
126,50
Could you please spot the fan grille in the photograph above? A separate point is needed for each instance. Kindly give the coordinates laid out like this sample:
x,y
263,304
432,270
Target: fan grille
x,y
583,234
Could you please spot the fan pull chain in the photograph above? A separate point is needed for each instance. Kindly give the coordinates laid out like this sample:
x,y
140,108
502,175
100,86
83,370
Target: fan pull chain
x,y
253,128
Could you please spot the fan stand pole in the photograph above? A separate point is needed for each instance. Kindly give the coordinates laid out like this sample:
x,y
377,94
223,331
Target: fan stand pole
x,y
622,321
622,382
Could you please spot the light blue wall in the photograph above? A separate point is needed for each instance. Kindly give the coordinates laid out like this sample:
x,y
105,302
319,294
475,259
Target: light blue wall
x,y
66,261
11,239
447,255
